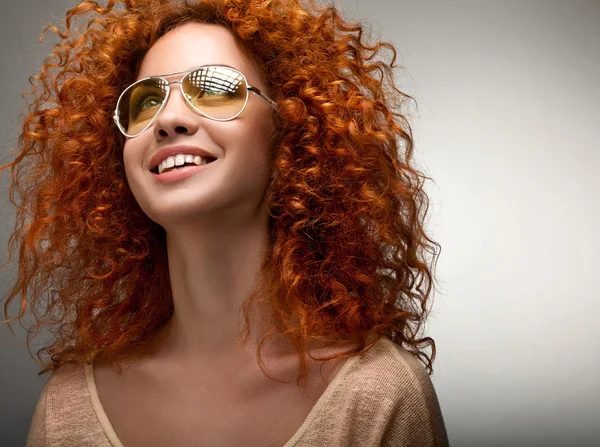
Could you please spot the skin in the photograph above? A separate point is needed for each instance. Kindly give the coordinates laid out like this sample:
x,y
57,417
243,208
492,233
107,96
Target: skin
x,y
216,221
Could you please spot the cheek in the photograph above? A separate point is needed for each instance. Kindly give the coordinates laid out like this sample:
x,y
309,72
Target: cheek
x,y
256,136
256,147
133,164
127,149
133,153
128,161
246,139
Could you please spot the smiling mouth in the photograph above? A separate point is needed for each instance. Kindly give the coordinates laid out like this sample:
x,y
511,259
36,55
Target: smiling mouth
x,y
205,161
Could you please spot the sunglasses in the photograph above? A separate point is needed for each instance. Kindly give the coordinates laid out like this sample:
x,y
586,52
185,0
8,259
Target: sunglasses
x,y
218,92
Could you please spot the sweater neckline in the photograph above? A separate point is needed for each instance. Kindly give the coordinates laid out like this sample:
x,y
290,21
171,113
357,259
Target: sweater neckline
x,y
312,415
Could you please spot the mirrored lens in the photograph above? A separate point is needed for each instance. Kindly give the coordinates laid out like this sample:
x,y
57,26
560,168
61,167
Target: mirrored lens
x,y
219,92
140,103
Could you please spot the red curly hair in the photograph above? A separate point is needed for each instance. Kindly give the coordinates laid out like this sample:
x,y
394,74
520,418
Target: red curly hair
x,y
348,257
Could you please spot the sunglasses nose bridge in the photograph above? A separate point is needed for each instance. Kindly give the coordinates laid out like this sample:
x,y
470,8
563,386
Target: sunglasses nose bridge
x,y
171,92
175,82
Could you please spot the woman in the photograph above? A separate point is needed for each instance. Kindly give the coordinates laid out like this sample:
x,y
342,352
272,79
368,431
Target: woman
x,y
185,162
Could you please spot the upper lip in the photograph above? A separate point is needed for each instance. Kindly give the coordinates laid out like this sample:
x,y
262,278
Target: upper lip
x,y
174,150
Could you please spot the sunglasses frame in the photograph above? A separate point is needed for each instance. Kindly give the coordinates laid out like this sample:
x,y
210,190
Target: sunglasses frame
x,y
249,88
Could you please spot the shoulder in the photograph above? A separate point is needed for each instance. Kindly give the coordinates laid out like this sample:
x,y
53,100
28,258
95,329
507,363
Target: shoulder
x,y
415,417
384,397
56,394
67,376
392,380
390,368
64,386
409,374
64,411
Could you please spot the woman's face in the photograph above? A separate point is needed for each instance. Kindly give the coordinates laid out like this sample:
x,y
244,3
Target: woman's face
x,y
238,178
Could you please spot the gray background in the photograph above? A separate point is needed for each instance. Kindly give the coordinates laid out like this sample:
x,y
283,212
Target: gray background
x,y
508,127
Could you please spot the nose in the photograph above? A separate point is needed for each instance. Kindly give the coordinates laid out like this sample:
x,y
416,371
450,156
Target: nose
x,y
177,117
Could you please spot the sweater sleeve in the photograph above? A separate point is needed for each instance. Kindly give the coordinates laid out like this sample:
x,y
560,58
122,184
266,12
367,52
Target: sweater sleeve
x,y
416,418
37,429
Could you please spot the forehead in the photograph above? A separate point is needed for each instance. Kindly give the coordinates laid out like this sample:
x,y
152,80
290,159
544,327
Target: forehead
x,y
194,44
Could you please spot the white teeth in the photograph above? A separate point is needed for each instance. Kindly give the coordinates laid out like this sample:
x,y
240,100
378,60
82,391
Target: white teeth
x,y
180,160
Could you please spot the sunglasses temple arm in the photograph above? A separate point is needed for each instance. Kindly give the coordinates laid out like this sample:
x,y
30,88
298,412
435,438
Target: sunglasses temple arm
x,y
263,96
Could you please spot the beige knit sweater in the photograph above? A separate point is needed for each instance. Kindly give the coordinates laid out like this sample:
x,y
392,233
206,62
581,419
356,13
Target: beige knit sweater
x,y
383,397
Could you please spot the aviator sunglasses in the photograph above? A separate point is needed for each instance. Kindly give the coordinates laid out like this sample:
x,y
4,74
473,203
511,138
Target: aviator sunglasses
x,y
218,92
